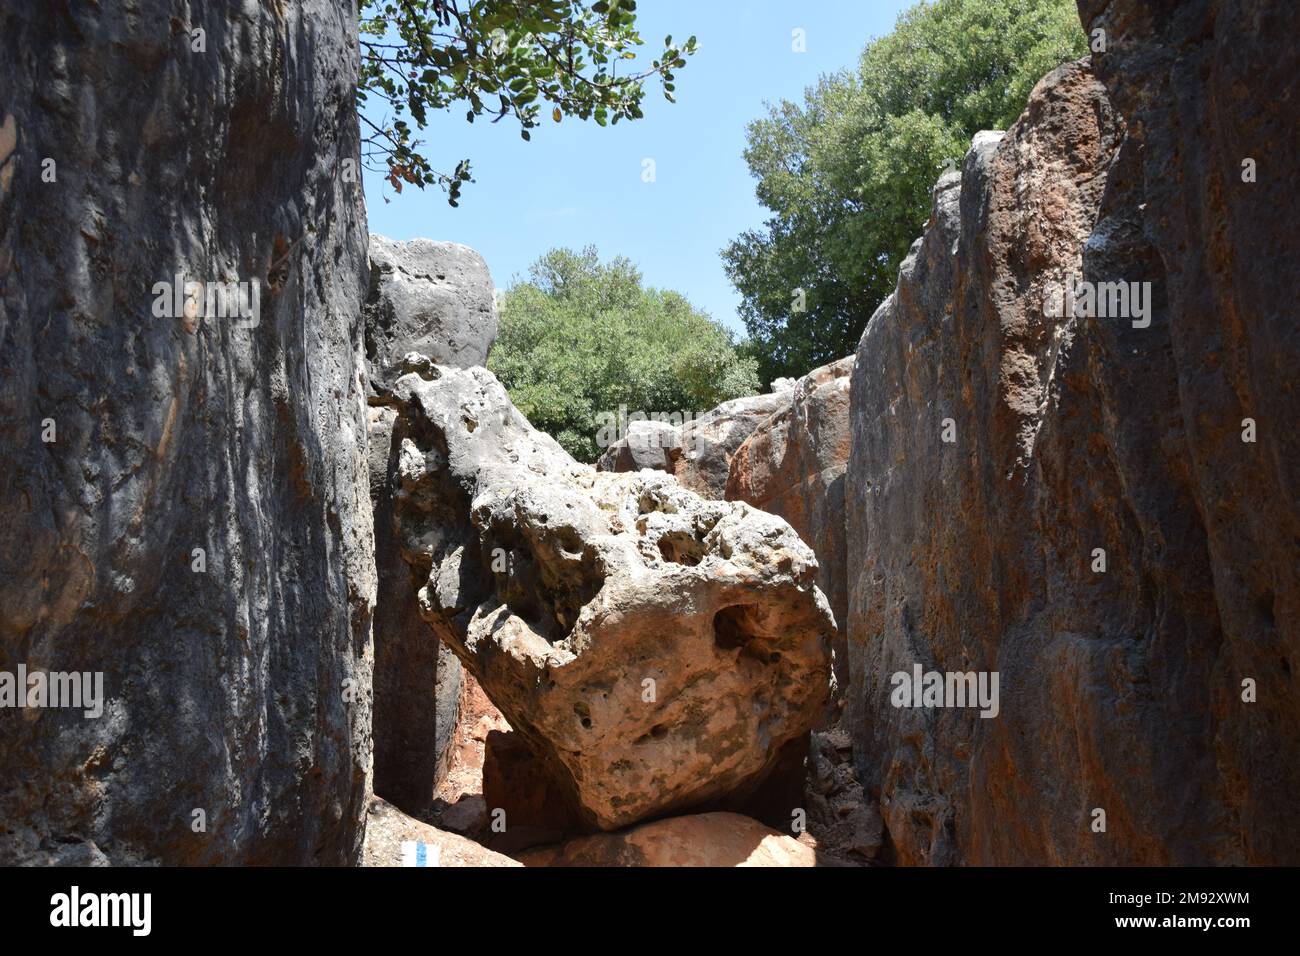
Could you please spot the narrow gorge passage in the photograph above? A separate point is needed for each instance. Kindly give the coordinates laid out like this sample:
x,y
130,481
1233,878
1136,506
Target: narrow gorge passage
x,y
859,436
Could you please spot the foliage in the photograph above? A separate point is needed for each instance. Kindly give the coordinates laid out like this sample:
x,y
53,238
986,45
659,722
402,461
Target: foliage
x,y
847,175
518,58
580,338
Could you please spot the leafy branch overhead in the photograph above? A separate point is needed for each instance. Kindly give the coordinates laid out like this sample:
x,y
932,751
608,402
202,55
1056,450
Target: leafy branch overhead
x,y
525,59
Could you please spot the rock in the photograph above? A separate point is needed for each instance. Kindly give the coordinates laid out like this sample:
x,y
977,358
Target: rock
x,y
413,729
792,465
652,444
478,718
946,535
387,828
705,839
468,816
657,651
427,301
186,504
1120,690
434,298
843,821
517,783
1214,577
709,440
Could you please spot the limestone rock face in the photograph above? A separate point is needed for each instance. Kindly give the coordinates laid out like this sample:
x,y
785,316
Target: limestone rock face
x,y
709,441
434,298
187,511
413,729
1206,86
698,452
704,839
652,444
657,650
793,466
1000,453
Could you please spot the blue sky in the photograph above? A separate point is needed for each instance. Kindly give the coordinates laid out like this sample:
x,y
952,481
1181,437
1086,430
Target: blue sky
x,y
576,184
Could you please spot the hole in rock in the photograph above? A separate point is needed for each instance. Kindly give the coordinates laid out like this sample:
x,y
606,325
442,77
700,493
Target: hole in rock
x,y
678,547
731,627
657,732
584,714
553,576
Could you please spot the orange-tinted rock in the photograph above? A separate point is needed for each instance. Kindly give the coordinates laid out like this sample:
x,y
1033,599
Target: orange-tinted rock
x,y
659,651
705,839
1210,212
1001,455
703,460
535,807
793,464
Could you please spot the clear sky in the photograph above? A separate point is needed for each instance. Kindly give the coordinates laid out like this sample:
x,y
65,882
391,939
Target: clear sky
x,y
576,183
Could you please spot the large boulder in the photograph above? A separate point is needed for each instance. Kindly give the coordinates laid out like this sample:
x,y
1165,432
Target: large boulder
x,y
708,441
184,477
658,651
704,839
435,298
1064,500
646,444
793,465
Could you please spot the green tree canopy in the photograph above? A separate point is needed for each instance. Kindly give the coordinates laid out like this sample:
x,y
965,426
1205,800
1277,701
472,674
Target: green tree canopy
x,y
580,337
847,175
499,58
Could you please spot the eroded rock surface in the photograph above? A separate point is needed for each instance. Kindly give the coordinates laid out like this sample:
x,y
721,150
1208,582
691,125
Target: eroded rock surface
x,y
1209,88
709,440
1120,689
793,465
647,444
657,650
435,298
186,504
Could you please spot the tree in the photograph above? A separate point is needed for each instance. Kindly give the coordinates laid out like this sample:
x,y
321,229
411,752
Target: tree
x,y
847,175
580,338
500,58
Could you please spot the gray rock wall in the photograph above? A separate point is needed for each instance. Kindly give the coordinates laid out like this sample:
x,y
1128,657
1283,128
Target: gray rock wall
x,y
241,690
434,299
